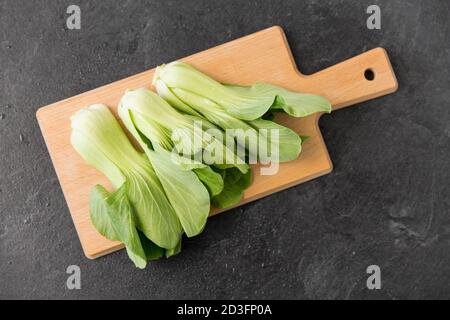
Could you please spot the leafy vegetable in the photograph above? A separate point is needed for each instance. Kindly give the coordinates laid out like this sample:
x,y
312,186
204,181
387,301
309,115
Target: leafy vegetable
x,y
186,193
149,113
293,103
186,166
212,180
183,77
247,110
99,139
235,183
173,252
152,251
114,218
143,113
283,141
244,103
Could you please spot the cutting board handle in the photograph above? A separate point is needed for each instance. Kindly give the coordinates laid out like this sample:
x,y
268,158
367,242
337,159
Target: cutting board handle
x,y
364,77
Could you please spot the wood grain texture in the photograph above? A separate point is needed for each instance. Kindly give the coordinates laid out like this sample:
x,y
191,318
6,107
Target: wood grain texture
x,y
261,57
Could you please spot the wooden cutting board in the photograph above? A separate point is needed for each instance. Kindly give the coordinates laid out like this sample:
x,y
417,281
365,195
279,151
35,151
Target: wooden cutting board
x,y
261,57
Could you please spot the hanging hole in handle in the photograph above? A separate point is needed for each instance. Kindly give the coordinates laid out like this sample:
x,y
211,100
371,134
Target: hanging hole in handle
x,y
369,74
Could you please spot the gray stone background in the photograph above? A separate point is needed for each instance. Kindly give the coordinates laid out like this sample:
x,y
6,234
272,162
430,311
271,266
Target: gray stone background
x,y
387,202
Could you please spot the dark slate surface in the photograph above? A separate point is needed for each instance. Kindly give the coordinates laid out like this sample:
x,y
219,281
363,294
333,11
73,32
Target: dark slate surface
x,y
387,202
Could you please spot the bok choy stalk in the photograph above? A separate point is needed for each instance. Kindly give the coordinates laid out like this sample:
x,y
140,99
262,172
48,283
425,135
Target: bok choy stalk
x,y
153,122
150,112
244,103
186,193
239,108
139,208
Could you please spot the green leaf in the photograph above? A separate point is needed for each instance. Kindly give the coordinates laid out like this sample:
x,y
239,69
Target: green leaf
x,y
113,216
287,143
152,251
99,139
212,180
235,183
300,104
149,108
99,213
293,103
215,102
246,180
186,164
181,76
173,252
186,193
156,218
174,80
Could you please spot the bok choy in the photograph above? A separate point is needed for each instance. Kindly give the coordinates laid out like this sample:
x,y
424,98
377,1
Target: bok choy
x,y
154,123
186,163
239,108
139,202
245,103
186,193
